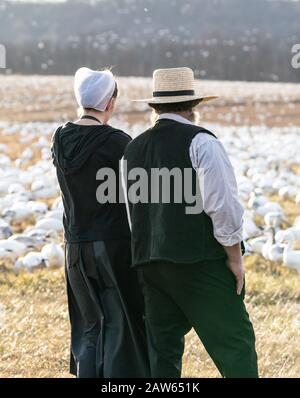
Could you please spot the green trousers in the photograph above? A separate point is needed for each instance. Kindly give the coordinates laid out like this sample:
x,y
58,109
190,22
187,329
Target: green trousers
x,y
179,297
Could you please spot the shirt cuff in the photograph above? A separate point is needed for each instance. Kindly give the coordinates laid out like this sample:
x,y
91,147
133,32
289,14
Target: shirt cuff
x,y
232,239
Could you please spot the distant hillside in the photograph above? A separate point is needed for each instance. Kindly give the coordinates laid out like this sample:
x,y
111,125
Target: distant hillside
x,y
220,39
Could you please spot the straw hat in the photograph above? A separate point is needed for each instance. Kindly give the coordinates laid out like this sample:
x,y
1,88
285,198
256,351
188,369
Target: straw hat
x,y
174,85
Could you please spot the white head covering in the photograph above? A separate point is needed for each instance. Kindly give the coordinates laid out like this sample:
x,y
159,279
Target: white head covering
x,y
94,89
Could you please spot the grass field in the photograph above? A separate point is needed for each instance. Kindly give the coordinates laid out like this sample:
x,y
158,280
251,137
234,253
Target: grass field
x,y
35,334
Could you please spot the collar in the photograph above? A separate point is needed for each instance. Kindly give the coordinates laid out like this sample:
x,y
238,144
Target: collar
x,y
177,118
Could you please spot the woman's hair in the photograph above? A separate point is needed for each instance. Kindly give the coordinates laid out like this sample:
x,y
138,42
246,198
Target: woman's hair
x,y
116,92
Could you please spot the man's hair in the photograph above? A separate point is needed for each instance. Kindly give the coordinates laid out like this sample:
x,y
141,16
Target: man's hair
x,y
175,107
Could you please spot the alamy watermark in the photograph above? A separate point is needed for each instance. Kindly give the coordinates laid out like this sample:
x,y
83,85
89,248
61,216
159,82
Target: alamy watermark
x,y
2,56
296,58
158,185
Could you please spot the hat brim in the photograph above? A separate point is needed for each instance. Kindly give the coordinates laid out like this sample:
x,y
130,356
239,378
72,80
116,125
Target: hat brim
x,y
173,100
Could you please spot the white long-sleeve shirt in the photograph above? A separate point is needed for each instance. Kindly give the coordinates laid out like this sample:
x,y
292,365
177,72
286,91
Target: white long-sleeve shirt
x,y
219,191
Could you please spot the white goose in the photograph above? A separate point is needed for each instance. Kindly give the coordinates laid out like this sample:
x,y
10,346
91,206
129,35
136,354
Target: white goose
x,y
16,188
41,234
31,262
267,208
250,229
38,208
31,243
18,212
50,224
256,245
11,249
291,234
3,148
271,250
53,255
44,189
5,230
288,192
56,214
274,219
256,200
291,258
5,162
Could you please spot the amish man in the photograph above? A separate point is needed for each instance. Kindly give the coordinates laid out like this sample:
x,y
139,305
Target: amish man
x,y
190,265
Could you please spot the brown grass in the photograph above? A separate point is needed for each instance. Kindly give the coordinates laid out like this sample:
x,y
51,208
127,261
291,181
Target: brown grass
x,y
35,337
34,340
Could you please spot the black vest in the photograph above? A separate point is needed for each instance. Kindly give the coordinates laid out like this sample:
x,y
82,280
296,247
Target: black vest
x,y
160,231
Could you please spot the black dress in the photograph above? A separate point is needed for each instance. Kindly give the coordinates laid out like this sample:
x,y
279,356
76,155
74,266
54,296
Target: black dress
x,y
104,296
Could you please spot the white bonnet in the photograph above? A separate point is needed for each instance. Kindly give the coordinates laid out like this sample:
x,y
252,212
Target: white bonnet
x,y
94,89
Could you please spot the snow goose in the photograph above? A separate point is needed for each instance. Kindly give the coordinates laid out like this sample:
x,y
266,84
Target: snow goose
x,y
50,224
19,197
27,154
3,148
30,242
16,188
5,230
4,185
57,214
53,255
291,258
274,219
256,244
18,212
267,208
5,162
292,233
42,235
31,262
288,192
44,189
250,229
12,249
271,250
38,208
256,200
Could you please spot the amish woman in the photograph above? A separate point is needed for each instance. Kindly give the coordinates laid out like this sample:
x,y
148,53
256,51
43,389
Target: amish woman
x,y
105,303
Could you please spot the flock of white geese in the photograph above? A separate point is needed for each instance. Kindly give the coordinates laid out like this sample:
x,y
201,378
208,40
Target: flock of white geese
x,y
25,194
266,162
